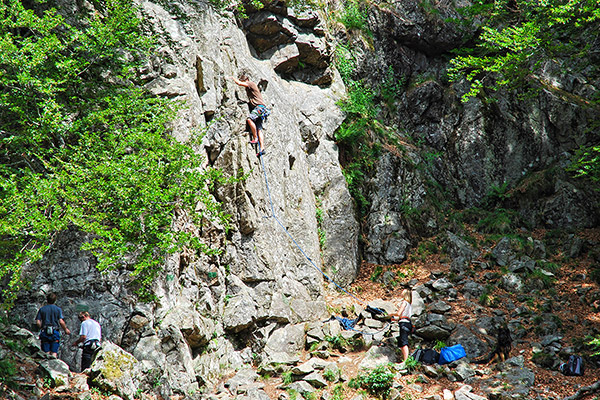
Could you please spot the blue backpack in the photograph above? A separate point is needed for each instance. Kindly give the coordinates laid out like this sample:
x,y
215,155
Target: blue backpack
x,y
451,353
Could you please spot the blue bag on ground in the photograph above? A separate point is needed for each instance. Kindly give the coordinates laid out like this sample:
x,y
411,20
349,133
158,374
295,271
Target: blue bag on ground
x,y
451,353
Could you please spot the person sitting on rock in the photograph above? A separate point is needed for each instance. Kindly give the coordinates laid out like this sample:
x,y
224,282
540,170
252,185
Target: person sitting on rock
x,y
258,111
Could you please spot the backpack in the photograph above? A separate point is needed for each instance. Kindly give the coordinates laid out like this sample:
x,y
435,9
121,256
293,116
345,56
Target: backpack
x,y
378,313
430,356
426,356
451,353
573,367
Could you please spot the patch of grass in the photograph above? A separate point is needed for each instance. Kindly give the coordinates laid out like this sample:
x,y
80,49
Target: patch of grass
x,y
498,221
332,375
287,377
486,298
320,224
338,392
8,371
293,394
539,275
377,272
342,344
352,16
391,88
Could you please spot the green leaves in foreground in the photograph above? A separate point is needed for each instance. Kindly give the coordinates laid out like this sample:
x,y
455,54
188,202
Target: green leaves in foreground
x,y
81,146
519,38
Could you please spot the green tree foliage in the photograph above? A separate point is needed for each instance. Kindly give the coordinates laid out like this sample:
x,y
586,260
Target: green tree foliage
x,y
518,39
82,147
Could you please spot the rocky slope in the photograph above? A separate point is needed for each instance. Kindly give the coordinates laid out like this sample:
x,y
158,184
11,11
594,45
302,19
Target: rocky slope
x,y
548,315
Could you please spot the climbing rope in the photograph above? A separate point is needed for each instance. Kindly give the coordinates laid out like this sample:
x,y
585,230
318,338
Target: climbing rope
x,y
274,216
292,238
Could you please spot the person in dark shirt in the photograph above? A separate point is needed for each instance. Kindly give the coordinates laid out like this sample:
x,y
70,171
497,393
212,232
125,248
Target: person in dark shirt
x,y
48,319
258,111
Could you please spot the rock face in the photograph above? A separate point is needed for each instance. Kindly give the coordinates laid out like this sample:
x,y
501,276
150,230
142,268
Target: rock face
x,y
263,278
215,315
460,152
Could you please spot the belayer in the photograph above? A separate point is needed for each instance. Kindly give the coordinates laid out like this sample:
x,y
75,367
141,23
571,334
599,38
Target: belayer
x,y
258,111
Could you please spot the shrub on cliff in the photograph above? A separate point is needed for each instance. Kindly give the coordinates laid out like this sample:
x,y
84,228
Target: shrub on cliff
x,y
81,145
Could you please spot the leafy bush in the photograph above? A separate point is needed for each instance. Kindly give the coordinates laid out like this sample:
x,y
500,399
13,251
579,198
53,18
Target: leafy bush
x,y
83,147
498,221
411,364
514,48
353,16
378,382
332,374
8,371
337,342
594,342
439,344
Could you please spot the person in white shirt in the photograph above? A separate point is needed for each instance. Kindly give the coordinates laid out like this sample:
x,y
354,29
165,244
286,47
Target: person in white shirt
x,y
90,334
403,317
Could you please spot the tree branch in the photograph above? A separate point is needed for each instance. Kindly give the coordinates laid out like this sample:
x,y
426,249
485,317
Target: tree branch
x,y
584,391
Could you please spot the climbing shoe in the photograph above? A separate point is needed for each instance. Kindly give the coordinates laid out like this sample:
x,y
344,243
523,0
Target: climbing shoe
x,y
253,141
260,153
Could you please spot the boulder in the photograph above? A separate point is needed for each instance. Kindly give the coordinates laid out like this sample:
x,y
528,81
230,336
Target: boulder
x,y
57,371
116,371
378,355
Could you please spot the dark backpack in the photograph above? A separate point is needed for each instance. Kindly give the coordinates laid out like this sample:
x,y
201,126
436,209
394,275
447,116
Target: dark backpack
x,y
378,313
426,356
430,356
573,367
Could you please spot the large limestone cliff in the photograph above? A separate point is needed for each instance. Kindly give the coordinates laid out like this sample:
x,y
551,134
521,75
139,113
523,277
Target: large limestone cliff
x,y
212,314
248,305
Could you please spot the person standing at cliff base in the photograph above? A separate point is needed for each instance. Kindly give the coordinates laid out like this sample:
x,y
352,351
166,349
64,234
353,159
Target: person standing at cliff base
x,y
404,323
90,334
258,111
48,319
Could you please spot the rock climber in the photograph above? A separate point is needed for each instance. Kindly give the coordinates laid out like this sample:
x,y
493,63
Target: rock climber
x,y
49,318
90,334
258,111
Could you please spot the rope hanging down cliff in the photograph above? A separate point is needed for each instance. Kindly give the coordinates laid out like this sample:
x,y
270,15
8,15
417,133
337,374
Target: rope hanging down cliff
x,y
373,310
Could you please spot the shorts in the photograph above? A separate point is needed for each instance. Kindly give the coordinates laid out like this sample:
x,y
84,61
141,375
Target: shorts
x,y
258,115
405,329
50,343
